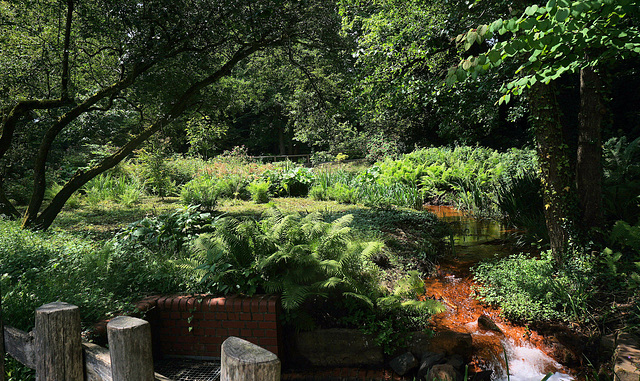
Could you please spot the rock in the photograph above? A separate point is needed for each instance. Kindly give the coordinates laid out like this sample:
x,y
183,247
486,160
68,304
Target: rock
x,y
403,364
419,343
442,372
452,343
456,361
485,323
560,352
338,347
427,361
627,358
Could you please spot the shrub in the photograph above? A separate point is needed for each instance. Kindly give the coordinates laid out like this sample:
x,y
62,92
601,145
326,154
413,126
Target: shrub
x,y
202,191
536,289
259,191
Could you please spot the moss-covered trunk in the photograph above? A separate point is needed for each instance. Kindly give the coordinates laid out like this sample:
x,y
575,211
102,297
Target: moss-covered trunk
x,y
557,179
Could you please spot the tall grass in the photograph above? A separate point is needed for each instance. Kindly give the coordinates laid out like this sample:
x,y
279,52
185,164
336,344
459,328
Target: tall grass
x,y
121,189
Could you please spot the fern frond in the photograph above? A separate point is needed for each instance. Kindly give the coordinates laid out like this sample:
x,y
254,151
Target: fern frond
x,y
359,297
328,283
294,295
428,306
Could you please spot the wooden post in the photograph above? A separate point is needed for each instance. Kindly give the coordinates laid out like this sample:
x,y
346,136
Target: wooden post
x,y
58,343
244,361
130,349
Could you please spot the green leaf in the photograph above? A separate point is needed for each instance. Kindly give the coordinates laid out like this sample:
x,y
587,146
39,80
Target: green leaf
x,y
562,14
494,56
482,31
472,37
530,11
496,25
550,5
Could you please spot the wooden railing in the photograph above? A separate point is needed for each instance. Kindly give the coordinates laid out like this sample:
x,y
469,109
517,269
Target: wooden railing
x,y
56,351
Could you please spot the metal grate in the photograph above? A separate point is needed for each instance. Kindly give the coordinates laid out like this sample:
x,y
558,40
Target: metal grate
x,y
189,370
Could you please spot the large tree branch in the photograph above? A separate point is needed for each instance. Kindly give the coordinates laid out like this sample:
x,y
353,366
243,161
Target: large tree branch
x,y
39,183
45,219
22,108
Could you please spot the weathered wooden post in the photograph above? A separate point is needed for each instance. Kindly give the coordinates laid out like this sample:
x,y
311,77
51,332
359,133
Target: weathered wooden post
x,y
57,342
245,361
130,349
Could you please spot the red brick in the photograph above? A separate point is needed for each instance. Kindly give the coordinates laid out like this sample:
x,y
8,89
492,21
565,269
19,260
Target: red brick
x,y
244,316
198,316
233,316
192,304
255,305
210,340
270,333
213,350
258,332
234,331
218,302
221,316
270,317
211,331
222,332
246,332
272,305
246,305
175,315
210,324
268,325
233,324
251,324
264,303
263,341
161,302
168,323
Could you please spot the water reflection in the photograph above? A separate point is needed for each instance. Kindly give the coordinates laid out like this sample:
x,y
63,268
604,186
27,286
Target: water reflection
x,y
473,242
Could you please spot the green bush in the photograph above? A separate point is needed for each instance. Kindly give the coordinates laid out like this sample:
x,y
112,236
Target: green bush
x,y
259,191
202,191
42,267
114,187
536,289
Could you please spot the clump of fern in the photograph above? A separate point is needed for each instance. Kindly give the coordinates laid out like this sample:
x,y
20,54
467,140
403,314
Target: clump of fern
x,y
302,258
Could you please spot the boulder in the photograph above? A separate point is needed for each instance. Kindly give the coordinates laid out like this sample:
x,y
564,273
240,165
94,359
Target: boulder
x,y
456,361
447,342
338,347
486,324
443,372
452,343
627,357
427,361
403,364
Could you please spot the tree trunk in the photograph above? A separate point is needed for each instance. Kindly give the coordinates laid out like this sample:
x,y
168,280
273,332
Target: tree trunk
x,y
589,165
554,166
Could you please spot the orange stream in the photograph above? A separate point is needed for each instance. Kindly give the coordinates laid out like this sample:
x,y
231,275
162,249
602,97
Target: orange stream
x,y
453,285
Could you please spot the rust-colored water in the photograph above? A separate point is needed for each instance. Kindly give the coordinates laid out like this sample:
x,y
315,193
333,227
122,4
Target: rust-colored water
x,y
453,285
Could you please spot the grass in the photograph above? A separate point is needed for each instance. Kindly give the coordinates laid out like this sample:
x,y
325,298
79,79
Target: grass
x,y
102,220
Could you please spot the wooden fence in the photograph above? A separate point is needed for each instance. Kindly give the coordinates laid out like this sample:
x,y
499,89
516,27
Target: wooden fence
x,y
56,351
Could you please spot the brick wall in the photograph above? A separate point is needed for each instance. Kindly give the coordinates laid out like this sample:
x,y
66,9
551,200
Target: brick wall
x,y
196,326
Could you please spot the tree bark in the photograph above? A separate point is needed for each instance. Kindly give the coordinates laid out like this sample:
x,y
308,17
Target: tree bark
x,y
589,157
554,166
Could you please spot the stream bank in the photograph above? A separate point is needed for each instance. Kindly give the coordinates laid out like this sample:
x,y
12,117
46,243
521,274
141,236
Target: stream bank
x,y
530,353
